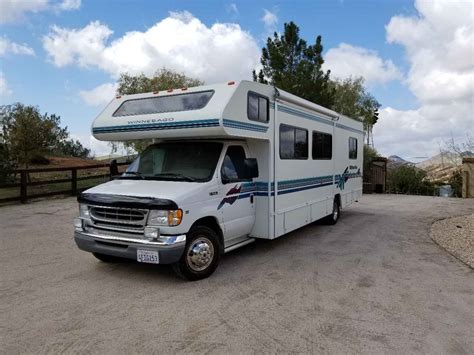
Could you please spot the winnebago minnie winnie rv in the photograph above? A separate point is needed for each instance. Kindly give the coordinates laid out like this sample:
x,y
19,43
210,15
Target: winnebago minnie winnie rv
x,y
230,163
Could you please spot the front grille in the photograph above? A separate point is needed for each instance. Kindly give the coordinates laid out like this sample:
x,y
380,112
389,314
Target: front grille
x,y
118,218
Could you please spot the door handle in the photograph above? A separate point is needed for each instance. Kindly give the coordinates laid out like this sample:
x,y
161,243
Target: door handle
x,y
251,198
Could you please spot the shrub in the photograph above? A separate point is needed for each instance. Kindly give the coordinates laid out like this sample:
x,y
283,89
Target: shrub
x,y
407,179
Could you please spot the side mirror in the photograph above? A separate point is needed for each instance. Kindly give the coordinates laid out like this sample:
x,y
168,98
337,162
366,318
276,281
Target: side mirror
x,y
113,168
251,168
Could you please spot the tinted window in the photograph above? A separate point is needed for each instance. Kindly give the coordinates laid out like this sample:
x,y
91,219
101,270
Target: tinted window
x,y
352,148
233,166
257,107
160,104
253,107
262,109
293,142
322,145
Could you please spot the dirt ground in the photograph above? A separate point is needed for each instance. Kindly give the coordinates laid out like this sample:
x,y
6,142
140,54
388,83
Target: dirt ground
x,y
373,283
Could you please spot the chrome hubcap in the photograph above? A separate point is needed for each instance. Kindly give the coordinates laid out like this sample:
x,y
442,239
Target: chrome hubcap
x,y
200,254
335,212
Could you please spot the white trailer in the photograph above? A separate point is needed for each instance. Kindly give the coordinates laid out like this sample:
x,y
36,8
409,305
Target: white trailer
x,y
230,163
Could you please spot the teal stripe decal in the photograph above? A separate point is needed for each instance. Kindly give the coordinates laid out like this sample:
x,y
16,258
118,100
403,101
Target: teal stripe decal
x,y
157,126
244,125
316,118
349,128
308,116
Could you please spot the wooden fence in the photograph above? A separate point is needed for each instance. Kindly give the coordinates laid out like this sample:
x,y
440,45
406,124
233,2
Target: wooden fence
x,y
72,188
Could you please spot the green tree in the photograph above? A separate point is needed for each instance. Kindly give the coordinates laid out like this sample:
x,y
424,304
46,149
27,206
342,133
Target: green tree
x,y
369,155
352,99
163,79
28,134
6,164
73,148
289,63
408,179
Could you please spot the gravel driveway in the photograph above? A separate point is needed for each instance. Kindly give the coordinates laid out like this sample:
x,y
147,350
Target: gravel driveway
x,y
373,283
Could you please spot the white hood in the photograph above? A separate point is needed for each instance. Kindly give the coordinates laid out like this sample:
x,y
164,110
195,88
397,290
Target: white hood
x,y
171,190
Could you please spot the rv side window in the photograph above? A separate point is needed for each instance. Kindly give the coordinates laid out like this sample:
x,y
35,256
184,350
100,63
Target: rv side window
x,y
293,142
257,107
322,145
233,166
352,148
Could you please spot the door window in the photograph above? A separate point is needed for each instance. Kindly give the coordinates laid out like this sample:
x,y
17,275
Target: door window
x,y
233,166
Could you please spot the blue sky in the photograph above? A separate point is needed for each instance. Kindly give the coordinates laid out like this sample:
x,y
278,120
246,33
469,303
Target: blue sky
x,y
376,39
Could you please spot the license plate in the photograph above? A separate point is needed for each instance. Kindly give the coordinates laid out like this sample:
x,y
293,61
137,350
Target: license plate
x,y
148,256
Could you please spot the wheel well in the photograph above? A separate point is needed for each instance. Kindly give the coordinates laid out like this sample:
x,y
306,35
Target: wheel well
x,y
338,199
211,222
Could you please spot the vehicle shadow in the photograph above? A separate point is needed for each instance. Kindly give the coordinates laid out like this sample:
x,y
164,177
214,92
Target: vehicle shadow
x,y
297,241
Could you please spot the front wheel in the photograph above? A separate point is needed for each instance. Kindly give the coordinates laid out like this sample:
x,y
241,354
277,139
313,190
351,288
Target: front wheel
x,y
336,212
201,254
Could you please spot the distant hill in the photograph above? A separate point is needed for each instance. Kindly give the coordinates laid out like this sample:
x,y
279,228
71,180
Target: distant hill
x,y
394,161
441,166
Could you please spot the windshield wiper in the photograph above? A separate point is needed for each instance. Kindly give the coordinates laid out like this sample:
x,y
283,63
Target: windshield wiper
x,y
175,175
133,173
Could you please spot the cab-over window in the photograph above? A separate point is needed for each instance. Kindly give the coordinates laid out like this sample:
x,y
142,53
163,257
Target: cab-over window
x,y
257,107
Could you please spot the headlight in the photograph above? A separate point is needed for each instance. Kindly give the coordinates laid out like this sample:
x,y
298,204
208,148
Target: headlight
x,y
84,210
165,218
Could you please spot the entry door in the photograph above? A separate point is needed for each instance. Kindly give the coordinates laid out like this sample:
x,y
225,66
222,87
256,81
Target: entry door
x,y
237,205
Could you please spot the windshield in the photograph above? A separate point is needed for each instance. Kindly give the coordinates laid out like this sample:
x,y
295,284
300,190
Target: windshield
x,y
182,161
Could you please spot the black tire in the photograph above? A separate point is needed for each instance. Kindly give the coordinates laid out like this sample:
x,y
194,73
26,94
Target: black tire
x,y
336,213
108,258
197,266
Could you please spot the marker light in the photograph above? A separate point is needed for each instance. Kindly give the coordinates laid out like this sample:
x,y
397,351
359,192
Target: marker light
x,y
152,233
78,224
84,211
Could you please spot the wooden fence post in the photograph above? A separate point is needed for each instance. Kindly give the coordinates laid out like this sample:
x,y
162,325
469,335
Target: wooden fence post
x,y
23,187
74,181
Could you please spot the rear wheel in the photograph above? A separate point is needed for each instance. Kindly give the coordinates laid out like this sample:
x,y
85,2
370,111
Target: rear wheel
x,y
108,258
336,212
201,254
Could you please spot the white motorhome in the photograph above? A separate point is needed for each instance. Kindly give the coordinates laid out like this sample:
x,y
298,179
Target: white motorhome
x,y
230,163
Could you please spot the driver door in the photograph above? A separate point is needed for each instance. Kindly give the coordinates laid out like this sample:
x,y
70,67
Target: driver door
x,y
237,205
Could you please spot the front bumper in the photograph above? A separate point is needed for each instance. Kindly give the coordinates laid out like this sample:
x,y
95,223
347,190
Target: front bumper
x,y
127,248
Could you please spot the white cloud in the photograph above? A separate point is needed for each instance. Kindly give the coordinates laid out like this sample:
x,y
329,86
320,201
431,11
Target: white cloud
x,y
67,5
345,61
99,96
15,10
7,46
270,20
438,45
84,47
4,90
179,42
